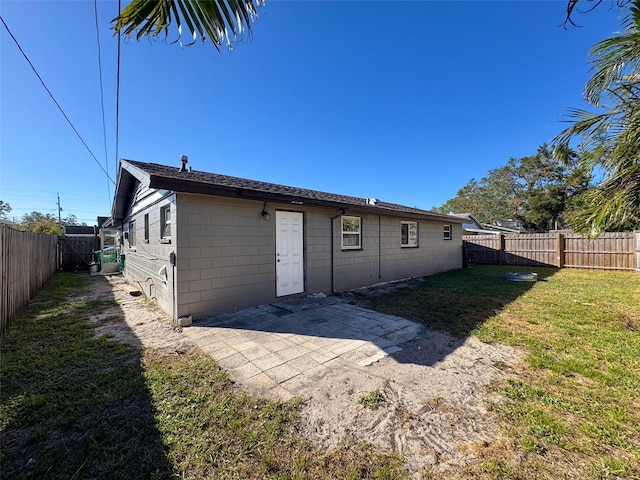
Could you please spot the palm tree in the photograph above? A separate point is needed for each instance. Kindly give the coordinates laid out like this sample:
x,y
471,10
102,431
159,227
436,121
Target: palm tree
x,y
610,136
220,21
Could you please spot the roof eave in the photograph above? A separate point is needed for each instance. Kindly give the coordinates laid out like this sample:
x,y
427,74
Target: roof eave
x,y
129,174
189,186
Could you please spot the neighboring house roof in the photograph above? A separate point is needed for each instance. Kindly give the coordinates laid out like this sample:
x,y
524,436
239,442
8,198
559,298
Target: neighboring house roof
x,y
163,177
507,224
476,226
473,225
480,231
503,229
79,230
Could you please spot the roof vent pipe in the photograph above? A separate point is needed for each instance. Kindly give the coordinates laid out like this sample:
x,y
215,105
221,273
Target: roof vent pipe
x,y
184,159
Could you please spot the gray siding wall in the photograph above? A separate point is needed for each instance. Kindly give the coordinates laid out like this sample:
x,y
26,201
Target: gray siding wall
x,y
226,252
144,261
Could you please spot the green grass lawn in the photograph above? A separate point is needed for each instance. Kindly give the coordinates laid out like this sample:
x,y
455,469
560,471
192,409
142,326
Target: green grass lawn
x,y
74,406
573,409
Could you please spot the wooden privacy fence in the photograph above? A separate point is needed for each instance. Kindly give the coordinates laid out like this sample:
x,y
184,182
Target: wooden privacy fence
x,y
610,251
27,261
76,253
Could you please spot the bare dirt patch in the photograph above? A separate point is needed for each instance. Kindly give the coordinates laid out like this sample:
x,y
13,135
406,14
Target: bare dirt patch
x,y
433,414
433,411
132,319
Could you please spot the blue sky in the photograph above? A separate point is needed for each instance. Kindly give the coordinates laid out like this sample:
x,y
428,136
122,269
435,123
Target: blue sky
x,y
402,101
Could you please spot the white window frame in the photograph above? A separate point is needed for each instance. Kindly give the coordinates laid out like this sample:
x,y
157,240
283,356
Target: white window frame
x,y
411,242
164,224
357,233
447,234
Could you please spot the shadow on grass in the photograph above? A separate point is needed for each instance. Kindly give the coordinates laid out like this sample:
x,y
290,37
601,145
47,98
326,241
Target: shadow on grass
x,y
459,301
72,405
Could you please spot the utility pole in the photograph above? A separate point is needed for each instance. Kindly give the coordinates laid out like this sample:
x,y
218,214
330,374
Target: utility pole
x,y
59,210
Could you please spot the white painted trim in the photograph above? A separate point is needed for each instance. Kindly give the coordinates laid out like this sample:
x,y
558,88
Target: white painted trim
x,y
344,232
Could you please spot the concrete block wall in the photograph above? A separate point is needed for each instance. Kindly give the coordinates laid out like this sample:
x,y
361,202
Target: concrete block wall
x,y
358,268
226,252
144,261
443,254
318,249
383,258
433,253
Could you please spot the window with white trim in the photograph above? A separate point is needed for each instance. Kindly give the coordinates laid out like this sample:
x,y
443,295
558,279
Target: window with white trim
x,y
446,233
351,233
165,222
409,234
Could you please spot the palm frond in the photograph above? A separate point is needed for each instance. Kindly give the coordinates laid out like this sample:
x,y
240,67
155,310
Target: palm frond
x,y
610,139
219,21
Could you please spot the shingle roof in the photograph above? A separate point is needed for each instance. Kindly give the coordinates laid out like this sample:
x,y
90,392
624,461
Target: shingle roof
x,y
79,230
171,178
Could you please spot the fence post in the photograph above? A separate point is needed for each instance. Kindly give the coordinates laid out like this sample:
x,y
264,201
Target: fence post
x,y
560,250
501,243
636,241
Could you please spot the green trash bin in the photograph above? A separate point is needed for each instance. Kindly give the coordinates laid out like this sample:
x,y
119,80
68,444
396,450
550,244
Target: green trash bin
x,y
98,257
108,260
109,255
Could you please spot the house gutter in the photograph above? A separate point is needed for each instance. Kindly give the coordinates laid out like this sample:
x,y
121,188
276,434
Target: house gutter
x,y
333,254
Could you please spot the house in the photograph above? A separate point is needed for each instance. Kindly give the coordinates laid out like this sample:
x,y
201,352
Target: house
x,y
473,226
200,243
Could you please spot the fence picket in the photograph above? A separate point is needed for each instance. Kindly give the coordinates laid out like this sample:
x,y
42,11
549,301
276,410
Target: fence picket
x,y
610,251
27,261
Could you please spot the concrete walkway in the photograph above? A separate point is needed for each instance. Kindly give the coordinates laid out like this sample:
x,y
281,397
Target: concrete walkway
x,y
275,349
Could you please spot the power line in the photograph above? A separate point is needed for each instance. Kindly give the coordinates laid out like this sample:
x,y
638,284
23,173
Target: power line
x,y
104,126
118,92
53,98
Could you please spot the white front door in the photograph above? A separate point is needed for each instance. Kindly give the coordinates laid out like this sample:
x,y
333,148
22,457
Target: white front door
x,y
289,253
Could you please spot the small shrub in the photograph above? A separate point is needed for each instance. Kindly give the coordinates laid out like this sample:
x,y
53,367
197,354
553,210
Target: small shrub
x,y
372,400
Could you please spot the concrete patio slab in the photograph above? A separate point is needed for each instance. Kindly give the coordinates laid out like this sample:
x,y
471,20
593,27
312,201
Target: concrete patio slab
x,y
277,348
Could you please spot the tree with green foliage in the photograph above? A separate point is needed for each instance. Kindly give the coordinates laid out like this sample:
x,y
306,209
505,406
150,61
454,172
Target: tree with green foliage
x,y
536,191
610,135
492,198
549,188
46,223
5,208
41,223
